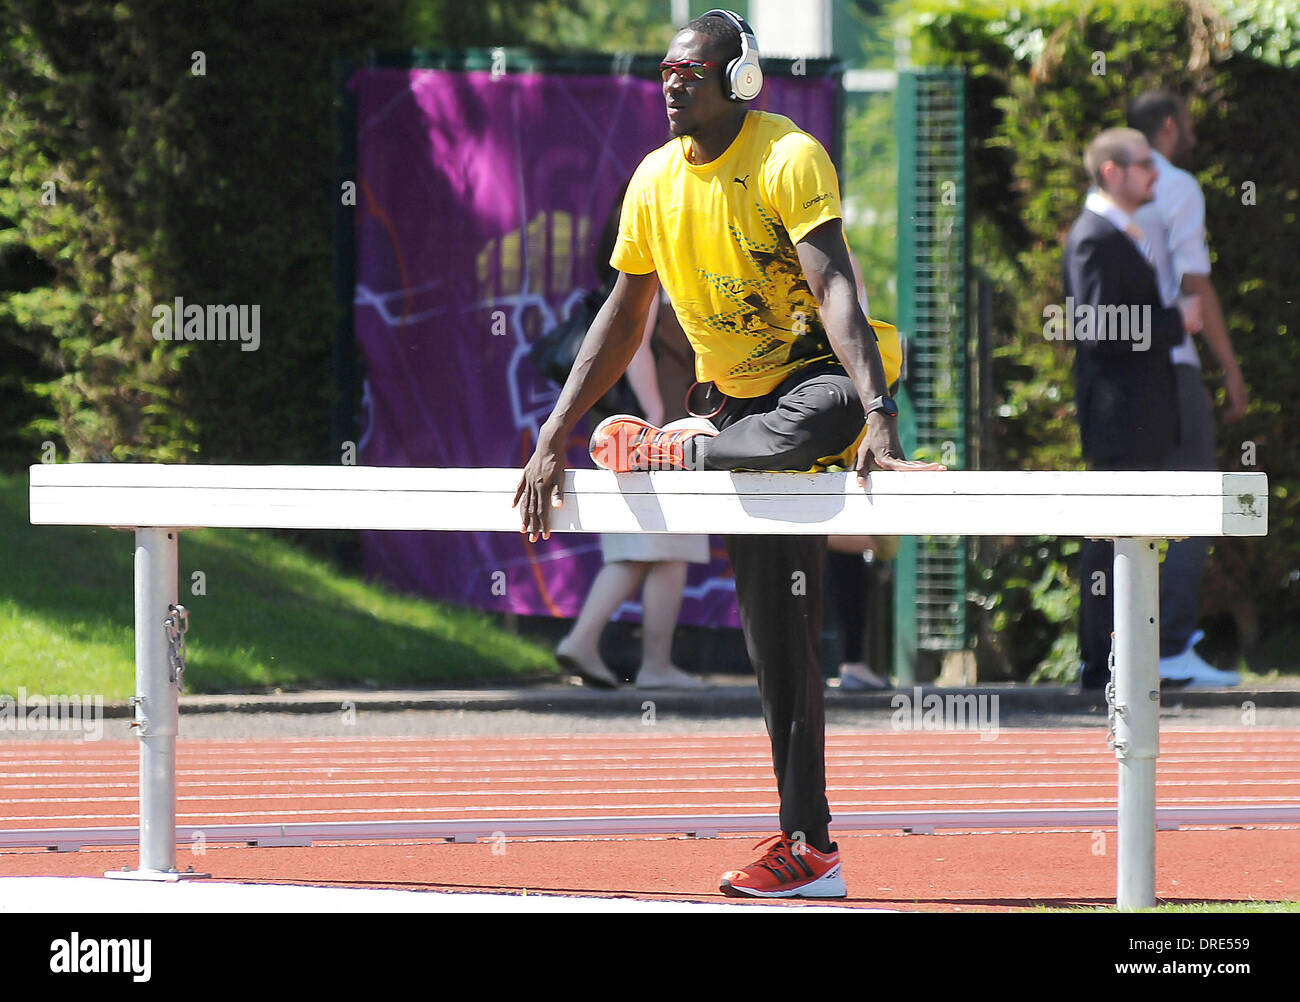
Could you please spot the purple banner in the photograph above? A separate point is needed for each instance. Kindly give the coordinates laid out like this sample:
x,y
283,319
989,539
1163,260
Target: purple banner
x,y
480,203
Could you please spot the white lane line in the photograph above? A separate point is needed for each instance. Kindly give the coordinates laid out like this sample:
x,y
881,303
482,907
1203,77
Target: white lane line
x,y
605,765
602,793
1261,777
1229,737
636,809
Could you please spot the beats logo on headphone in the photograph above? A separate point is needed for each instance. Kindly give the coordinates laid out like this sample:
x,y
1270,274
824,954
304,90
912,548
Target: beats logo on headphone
x,y
744,75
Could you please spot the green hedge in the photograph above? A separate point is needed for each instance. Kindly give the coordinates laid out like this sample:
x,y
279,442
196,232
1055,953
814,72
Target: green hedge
x,y
191,152
216,186
1036,98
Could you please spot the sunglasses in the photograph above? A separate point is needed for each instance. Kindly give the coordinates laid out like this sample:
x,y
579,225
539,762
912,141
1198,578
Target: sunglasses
x,y
687,69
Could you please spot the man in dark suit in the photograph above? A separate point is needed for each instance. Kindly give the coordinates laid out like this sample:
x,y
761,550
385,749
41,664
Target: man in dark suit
x,y
1125,391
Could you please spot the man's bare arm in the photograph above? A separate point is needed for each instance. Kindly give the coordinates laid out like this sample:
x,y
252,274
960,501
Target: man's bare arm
x,y
1215,331
606,351
829,271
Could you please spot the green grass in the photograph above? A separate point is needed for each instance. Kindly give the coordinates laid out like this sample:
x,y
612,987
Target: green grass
x,y
1198,907
273,616
1231,906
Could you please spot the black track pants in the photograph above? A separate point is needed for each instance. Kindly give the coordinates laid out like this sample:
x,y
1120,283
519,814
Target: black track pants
x,y
815,413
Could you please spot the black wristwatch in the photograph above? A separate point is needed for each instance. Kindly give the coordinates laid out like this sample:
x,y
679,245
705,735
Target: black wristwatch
x,y
883,403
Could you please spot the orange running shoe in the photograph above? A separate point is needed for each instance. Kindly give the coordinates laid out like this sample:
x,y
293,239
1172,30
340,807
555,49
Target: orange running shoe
x,y
625,444
789,869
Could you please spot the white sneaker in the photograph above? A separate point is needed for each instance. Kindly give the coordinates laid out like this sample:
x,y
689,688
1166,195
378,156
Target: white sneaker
x,y
857,677
1190,669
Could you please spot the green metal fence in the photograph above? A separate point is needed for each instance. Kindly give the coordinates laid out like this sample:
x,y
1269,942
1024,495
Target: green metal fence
x,y
933,273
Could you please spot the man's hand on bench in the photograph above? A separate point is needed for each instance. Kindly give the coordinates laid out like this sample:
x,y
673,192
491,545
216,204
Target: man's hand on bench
x,y
882,450
541,487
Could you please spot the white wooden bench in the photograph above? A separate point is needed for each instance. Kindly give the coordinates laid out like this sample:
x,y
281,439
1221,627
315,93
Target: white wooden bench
x,y
1134,509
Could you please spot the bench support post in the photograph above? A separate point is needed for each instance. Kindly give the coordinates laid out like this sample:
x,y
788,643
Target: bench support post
x,y
1137,717
157,708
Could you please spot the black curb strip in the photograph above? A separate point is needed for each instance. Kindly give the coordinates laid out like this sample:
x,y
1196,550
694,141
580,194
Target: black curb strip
x,y
739,699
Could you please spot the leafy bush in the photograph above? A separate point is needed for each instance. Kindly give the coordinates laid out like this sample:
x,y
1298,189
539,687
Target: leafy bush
x,y
1043,80
150,150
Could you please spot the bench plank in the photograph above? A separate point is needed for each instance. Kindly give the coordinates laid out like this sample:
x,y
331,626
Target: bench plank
x,y
974,503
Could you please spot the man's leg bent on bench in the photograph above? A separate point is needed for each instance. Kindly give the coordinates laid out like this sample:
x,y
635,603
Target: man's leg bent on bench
x,y
814,415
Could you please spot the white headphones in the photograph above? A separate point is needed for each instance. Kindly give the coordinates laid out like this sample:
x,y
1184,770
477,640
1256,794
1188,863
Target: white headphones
x,y
743,73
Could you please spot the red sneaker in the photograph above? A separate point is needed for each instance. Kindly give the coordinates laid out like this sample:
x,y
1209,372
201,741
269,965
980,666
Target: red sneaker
x,y
625,444
789,869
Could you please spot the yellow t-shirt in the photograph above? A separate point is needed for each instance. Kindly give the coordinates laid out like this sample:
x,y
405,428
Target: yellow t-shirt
x,y
721,237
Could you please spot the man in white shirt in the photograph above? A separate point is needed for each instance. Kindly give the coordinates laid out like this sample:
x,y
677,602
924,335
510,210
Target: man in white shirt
x,y
1174,224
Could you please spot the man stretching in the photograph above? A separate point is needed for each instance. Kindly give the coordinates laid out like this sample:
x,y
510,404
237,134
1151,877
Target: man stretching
x,y
738,215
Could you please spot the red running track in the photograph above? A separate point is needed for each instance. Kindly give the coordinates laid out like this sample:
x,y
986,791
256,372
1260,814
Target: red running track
x,y
71,784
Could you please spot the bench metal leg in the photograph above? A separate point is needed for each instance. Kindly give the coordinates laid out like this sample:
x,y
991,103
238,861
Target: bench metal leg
x,y
157,709
1137,716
